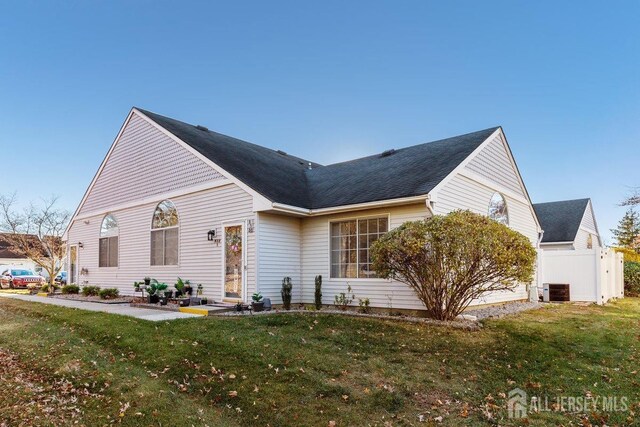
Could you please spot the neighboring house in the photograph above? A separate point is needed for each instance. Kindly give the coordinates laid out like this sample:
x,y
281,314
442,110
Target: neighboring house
x,y
574,265
8,256
172,199
568,224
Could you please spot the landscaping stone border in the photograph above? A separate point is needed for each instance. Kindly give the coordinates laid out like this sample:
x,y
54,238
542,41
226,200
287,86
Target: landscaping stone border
x,y
494,311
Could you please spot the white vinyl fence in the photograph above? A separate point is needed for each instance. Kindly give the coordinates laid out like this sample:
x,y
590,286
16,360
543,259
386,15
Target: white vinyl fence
x,y
593,275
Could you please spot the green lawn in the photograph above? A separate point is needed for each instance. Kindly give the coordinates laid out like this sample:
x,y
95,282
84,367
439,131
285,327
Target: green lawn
x,y
60,366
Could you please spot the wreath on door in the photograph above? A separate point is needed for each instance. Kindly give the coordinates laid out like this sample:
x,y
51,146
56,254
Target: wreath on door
x,y
234,242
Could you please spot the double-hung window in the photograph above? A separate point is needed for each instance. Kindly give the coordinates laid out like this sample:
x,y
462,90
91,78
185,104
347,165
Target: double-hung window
x,y
351,241
164,234
108,243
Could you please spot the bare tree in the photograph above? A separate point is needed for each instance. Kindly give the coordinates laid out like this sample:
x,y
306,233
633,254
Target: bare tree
x,y
35,232
633,199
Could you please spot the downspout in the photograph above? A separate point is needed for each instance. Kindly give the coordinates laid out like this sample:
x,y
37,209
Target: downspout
x,y
428,204
533,294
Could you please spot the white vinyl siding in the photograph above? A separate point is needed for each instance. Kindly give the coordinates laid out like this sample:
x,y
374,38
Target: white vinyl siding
x,y
145,162
199,260
316,261
557,246
464,193
588,226
494,164
581,240
588,221
279,249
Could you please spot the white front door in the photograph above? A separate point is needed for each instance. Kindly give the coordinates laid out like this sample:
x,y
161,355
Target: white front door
x,y
234,262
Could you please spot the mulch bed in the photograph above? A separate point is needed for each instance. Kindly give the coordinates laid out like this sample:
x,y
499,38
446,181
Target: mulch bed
x,y
78,297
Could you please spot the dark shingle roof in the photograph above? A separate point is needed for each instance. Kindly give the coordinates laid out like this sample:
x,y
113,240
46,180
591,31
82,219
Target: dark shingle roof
x,y
407,172
278,177
287,179
560,220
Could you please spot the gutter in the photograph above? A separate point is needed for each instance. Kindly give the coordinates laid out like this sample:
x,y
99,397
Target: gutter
x,y
280,207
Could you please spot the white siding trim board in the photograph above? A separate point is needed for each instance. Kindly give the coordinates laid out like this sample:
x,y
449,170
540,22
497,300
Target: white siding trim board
x,y
159,197
492,185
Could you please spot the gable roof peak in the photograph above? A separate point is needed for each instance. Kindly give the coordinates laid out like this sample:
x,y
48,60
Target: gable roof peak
x,y
561,219
286,179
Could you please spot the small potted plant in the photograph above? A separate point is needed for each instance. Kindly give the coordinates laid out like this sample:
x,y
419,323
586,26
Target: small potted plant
x,y
162,291
198,299
152,294
239,307
147,281
188,290
204,301
179,287
136,286
257,304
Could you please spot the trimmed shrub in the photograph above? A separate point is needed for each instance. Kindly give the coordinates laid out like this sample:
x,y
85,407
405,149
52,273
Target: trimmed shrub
x,y
90,291
454,259
109,293
285,292
47,287
318,293
71,289
632,278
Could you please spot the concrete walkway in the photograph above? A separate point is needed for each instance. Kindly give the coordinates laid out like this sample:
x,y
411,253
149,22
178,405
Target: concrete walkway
x,y
123,309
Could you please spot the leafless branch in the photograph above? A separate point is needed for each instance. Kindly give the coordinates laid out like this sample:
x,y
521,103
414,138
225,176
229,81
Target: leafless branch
x,y
36,231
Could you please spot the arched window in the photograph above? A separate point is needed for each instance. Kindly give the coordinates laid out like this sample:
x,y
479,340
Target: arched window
x,y
108,246
498,209
164,234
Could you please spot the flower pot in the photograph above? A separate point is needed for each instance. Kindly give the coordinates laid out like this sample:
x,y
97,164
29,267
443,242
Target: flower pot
x,y
153,299
147,282
239,307
257,306
185,302
178,293
164,300
204,301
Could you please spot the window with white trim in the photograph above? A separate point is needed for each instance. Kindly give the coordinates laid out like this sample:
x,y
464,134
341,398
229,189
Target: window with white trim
x,y
164,234
351,241
498,209
108,243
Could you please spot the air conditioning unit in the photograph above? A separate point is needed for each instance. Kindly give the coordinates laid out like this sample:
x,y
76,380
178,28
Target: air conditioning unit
x,y
556,292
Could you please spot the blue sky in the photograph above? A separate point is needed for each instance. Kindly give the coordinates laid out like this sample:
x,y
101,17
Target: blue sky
x,y
327,81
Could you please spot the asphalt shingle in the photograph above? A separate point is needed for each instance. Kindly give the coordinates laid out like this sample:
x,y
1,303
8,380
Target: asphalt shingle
x,y
560,220
290,180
